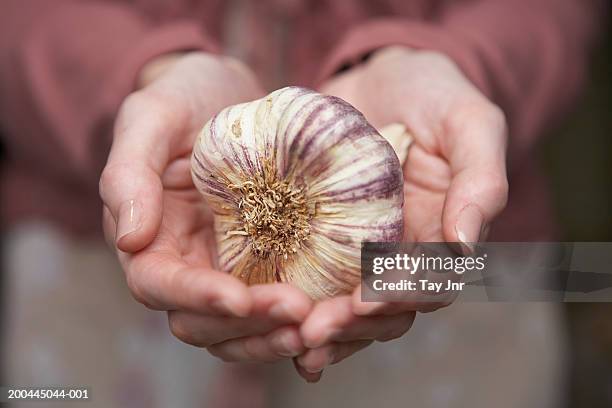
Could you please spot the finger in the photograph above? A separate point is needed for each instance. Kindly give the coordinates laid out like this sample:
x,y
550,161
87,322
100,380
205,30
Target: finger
x,y
380,328
315,360
476,149
272,306
280,302
130,185
362,308
133,194
164,282
309,377
281,343
394,308
334,321
325,320
203,331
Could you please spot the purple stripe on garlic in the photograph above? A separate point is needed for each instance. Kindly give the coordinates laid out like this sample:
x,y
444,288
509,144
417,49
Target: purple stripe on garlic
x,y
297,181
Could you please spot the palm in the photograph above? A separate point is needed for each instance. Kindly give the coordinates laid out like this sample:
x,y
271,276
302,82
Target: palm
x,y
426,181
185,240
186,232
174,108
454,174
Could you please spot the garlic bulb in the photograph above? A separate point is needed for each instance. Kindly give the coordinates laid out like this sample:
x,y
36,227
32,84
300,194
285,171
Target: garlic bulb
x,y
297,181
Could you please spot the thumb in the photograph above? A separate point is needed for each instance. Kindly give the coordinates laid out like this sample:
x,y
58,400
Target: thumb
x,y
479,187
473,201
133,194
130,185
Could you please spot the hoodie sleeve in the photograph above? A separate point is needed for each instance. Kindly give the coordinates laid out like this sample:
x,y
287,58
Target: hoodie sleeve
x,y
65,67
530,57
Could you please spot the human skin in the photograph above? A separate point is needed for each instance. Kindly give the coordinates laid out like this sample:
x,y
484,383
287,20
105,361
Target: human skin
x,y
455,184
153,214
454,181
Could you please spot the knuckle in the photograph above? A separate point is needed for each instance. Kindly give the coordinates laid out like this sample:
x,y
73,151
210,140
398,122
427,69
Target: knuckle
x,y
132,103
108,178
464,113
113,175
476,110
500,187
156,102
133,99
495,116
121,176
496,187
111,172
142,100
159,106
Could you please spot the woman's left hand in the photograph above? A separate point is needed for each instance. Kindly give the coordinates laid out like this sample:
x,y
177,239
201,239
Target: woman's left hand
x,y
454,183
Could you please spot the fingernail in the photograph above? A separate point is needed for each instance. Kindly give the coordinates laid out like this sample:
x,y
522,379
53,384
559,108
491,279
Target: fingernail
x,y
280,311
288,348
468,228
315,379
130,218
330,360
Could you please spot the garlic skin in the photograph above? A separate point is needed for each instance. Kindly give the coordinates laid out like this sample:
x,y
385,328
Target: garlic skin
x,y
297,181
399,138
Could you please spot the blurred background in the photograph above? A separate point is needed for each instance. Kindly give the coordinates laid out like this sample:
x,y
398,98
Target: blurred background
x,y
577,157
129,366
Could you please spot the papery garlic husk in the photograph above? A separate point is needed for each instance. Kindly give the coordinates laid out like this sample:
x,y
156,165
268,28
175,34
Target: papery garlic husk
x,y
297,181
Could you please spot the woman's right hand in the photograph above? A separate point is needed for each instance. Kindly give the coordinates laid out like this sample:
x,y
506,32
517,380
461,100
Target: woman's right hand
x,y
164,235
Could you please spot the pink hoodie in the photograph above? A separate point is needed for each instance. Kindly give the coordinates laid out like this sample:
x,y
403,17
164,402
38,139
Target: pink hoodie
x,y
66,65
